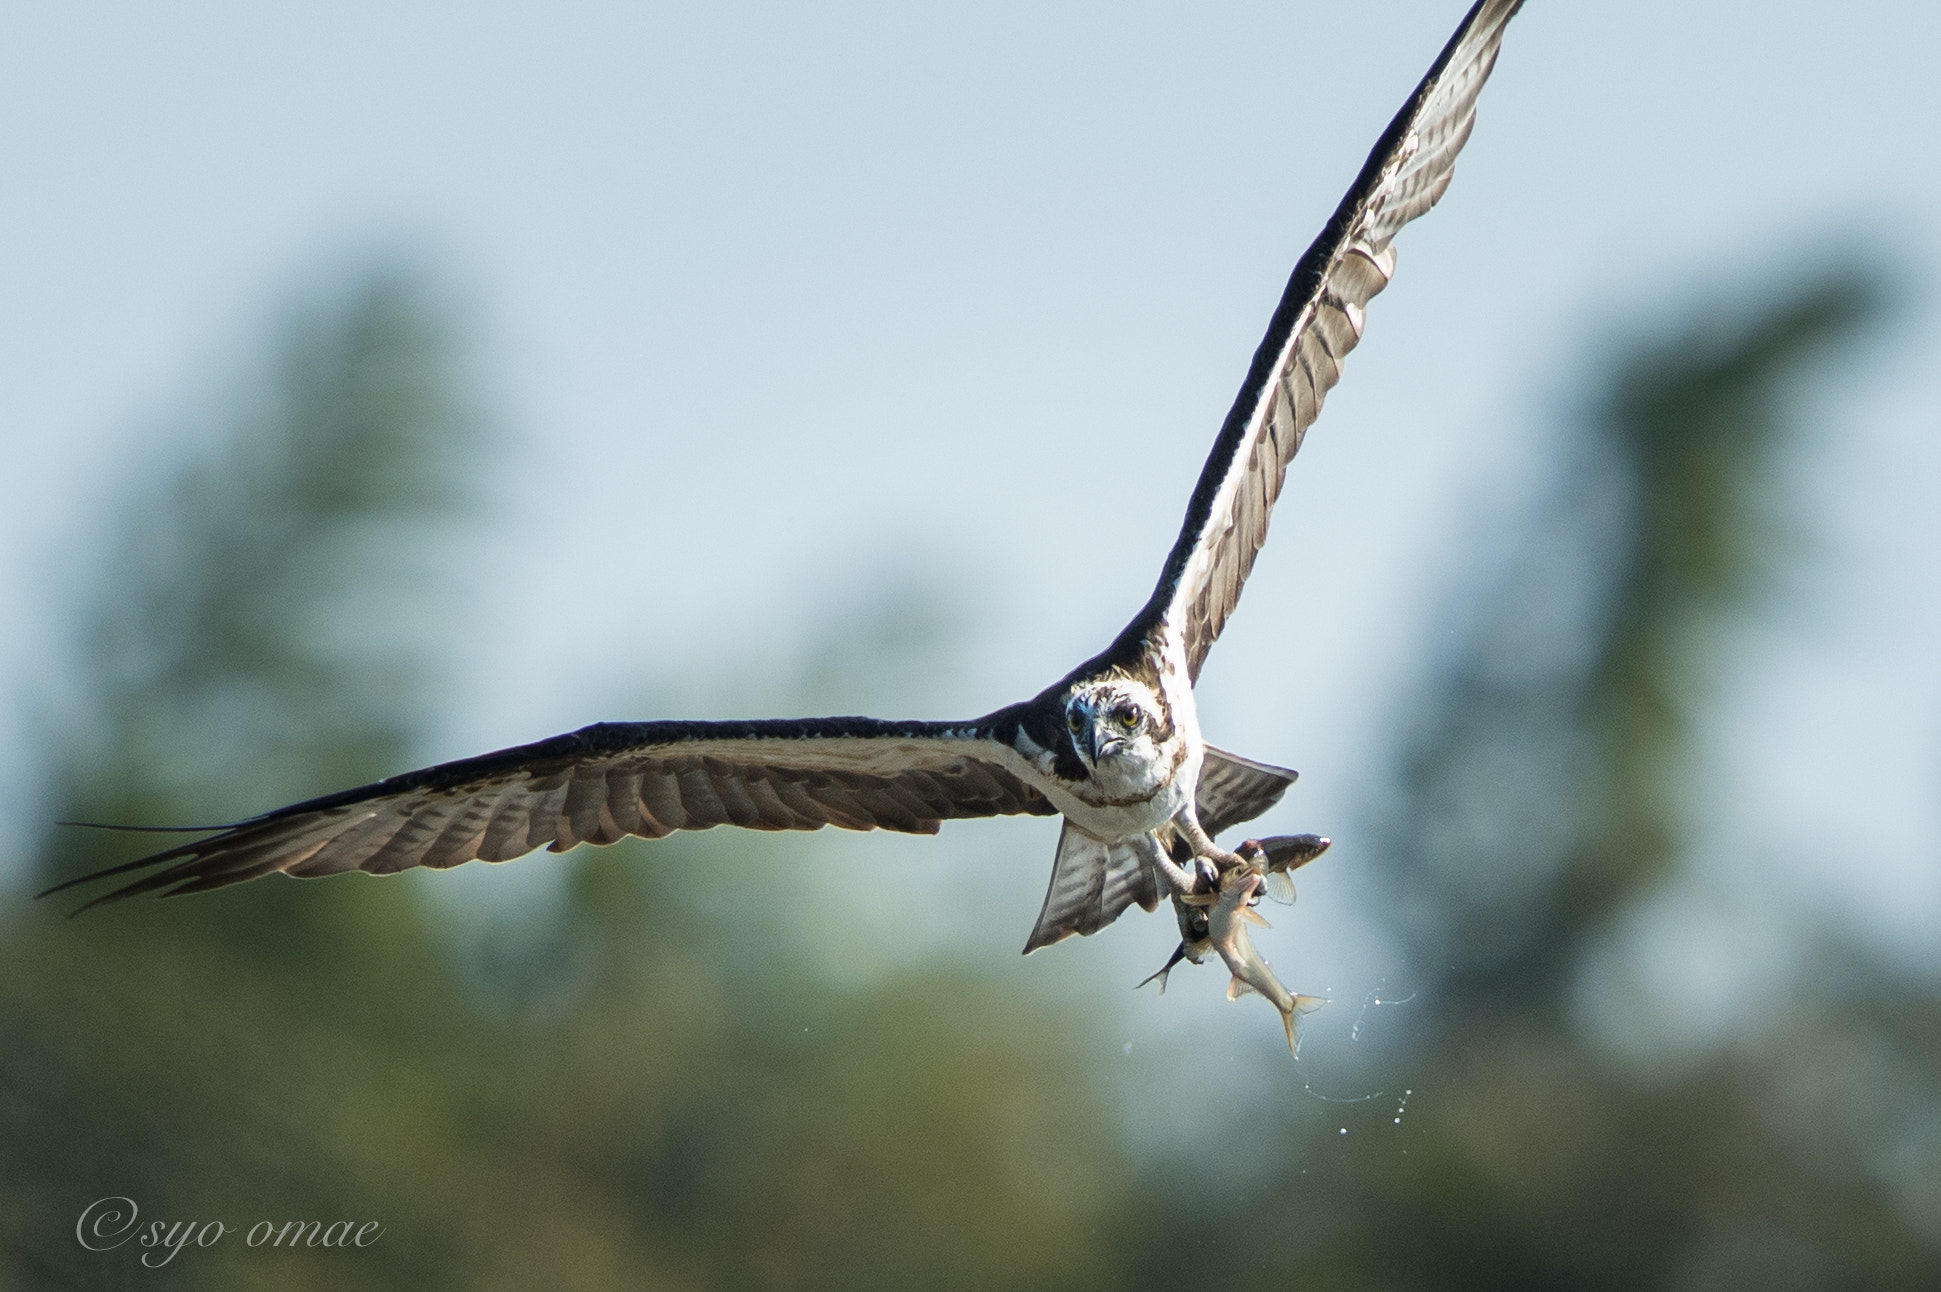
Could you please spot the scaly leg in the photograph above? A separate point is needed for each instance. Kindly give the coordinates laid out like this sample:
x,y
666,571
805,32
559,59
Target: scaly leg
x,y
1187,822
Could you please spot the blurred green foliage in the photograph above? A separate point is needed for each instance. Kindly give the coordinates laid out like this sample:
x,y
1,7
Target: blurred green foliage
x,y
656,1089
1549,790
703,1113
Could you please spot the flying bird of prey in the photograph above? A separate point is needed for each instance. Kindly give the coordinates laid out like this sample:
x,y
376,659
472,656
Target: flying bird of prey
x,y
1114,747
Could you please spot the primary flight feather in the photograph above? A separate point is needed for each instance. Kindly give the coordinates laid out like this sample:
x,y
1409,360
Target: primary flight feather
x,y
1114,746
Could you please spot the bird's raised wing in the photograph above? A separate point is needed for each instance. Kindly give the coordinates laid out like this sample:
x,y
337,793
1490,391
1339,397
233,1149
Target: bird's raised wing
x,y
604,782
1317,323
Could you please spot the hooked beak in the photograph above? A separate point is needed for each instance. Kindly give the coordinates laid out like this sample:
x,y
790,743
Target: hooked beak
x,y
1084,740
1108,747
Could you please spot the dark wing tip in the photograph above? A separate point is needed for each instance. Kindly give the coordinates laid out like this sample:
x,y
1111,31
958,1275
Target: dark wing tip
x,y
154,859
152,829
147,883
1270,390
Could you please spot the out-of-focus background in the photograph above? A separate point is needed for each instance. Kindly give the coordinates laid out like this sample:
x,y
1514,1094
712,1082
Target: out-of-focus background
x,y
384,383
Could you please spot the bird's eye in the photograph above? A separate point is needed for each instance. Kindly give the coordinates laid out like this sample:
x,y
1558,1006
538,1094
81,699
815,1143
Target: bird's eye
x,y
1129,719
1074,720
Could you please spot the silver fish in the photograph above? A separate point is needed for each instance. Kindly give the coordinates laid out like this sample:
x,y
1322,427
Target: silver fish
x,y
1227,933
1279,854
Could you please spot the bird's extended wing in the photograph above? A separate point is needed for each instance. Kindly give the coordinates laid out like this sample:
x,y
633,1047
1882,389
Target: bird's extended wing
x,y
604,782
1317,323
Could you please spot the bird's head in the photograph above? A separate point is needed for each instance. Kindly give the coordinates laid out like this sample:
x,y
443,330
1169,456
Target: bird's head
x,y
1115,722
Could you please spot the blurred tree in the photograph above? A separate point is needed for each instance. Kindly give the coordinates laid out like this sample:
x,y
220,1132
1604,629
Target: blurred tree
x,y
695,1108
250,638
1544,794
1545,791
262,620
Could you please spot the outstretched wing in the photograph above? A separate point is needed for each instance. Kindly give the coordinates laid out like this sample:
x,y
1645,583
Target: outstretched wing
x,y
1092,881
604,782
1317,323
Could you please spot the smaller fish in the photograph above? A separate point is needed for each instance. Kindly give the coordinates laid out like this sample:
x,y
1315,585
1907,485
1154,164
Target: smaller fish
x,y
1284,853
1227,934
1192,939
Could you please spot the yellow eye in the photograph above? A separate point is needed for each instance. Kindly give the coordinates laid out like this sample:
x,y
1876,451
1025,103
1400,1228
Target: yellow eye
x,y
1129,719
1074,720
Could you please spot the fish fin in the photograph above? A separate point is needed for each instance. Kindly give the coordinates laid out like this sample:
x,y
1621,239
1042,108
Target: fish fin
x,y
1236,989
1302,1005
1251,916
1280,888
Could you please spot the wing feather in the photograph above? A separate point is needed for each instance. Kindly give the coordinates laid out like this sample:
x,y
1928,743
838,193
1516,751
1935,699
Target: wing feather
x,y
1092,883
1318,321
609,781
1233,789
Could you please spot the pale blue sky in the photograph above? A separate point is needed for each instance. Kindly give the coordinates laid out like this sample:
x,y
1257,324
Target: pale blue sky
x,y
776,296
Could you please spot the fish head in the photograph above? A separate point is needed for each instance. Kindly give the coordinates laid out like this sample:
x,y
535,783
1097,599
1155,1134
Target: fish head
x,y
1237,888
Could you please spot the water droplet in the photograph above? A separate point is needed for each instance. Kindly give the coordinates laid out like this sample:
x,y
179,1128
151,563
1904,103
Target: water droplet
x,y
1128,1049
1344,1130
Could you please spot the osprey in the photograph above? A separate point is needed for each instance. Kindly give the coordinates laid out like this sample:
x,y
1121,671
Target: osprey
x,y
1114,746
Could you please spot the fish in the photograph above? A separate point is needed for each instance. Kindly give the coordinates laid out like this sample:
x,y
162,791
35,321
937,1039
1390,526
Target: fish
x,y
1192,946
1284,853
1280,853
1227,922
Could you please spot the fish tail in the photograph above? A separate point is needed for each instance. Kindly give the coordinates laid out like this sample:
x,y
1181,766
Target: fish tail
x,y
1179,954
